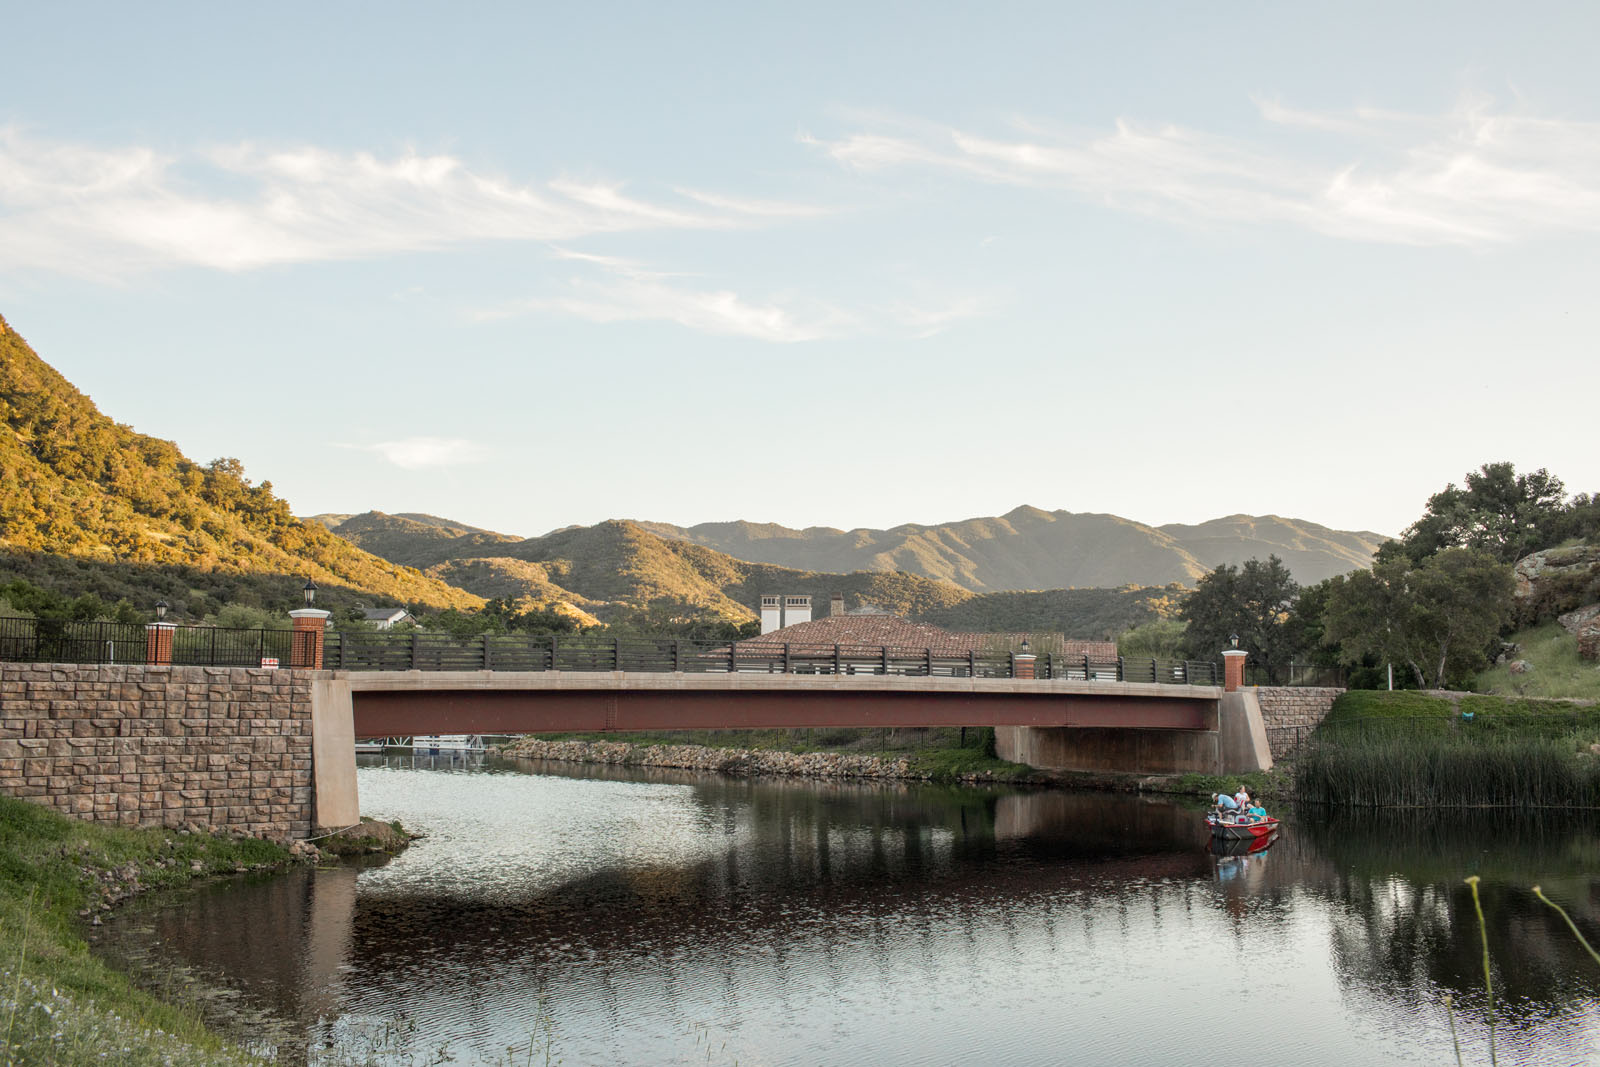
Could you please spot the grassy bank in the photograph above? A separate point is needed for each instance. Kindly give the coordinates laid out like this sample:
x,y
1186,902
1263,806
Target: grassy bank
x,y
939,753
1557,670
59,1004
1419,750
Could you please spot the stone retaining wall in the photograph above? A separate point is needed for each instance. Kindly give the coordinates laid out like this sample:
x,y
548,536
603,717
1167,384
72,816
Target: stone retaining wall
x,y
213,748
1283,707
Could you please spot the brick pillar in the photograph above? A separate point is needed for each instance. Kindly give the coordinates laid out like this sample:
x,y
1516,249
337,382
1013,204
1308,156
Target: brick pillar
x,y
1233,669
1022,665
305,648
158,642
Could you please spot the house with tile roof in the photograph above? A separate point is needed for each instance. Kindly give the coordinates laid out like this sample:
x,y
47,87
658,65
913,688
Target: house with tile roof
x,y
875,628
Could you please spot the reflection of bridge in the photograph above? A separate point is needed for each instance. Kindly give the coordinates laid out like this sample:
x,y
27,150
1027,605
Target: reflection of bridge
x,y
1130,727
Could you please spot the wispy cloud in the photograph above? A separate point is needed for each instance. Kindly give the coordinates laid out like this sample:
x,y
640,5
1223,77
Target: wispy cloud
x,y
418,453
1470,176
622,290
82,209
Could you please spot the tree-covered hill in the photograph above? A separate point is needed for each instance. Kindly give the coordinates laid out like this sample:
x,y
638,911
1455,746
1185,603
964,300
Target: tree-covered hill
x,y
86,501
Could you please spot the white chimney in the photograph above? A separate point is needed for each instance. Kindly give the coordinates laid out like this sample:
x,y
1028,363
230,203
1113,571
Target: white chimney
x,y
796,609
836,605
771,614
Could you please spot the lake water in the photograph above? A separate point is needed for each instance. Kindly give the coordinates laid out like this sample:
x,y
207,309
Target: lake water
x,y
599,916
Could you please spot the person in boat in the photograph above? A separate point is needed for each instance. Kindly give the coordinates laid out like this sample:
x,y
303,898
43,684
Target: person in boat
x,y
1242,798
1225,805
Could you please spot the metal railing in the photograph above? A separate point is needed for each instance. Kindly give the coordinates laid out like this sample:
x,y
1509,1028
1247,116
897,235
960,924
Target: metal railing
x,y
515,652
1299,674
58,641
50,641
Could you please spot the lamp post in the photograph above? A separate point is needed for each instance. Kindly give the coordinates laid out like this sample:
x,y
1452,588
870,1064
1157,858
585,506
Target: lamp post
x,y
309,626
158,637
1022,662
1233,658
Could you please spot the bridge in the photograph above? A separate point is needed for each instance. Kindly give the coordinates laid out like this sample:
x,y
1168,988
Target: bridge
x,y
1063,723
62,725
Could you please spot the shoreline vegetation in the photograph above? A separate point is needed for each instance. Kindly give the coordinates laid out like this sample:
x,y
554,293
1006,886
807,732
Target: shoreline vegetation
x,y
1452,750
59,1003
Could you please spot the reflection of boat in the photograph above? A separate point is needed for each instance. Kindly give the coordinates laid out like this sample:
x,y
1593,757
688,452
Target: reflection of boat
x,y
1242,829
1241,846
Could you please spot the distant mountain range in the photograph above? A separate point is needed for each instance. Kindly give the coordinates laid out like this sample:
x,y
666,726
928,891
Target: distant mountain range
x,y
1032,549
1088,575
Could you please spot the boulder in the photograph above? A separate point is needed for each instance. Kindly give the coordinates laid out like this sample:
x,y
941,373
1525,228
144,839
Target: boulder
x,y
1589,641
1556,581
1574,620
1520,666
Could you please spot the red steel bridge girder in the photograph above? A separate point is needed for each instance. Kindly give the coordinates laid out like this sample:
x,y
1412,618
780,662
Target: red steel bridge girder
x,y
424,711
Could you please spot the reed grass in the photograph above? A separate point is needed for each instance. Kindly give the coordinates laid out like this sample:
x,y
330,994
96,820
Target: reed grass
x,y
1397,770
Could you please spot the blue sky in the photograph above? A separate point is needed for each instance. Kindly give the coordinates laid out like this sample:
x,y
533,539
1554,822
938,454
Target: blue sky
x,y
845,265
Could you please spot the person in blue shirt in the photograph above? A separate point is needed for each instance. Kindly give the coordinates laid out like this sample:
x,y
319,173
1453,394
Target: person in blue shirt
x,y
1225,804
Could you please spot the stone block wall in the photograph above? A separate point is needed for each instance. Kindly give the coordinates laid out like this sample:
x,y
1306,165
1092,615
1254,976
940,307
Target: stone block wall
x,y
1285,707
215,748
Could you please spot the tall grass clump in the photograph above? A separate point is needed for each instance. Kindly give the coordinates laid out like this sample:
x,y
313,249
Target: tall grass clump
x,y
1393,770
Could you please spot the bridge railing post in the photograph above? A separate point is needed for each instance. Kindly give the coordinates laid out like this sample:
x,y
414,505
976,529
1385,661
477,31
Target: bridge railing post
x,y
788,662
836,658
927,655
733,657
677,657
552,652
1087,676
488,661
972,663
616,653
885,668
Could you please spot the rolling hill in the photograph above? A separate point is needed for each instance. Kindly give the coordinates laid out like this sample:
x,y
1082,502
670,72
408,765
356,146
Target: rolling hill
x,y
88,505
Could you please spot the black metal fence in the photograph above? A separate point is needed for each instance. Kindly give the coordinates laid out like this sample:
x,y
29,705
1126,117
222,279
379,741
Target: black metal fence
x,y
57,641
1298,674
517,652
54,641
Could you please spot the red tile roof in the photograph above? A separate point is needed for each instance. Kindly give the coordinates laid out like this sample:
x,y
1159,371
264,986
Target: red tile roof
x,y
894,632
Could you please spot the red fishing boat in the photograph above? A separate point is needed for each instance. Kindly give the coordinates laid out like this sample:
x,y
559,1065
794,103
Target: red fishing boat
x,y
1242,828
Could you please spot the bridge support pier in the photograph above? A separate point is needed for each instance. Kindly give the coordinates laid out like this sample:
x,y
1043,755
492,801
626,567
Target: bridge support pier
x,y
1236,745
333,755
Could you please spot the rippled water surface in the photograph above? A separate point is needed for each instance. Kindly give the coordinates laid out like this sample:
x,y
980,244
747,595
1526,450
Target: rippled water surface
x,y
597,917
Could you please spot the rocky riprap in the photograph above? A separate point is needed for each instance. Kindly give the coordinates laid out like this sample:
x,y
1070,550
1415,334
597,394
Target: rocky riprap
x,y
736,761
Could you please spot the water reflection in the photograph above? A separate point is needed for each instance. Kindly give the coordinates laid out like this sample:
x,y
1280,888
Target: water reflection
x,y
623,917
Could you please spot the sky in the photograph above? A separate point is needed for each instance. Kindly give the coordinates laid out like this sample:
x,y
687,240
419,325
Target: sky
x,y
853,265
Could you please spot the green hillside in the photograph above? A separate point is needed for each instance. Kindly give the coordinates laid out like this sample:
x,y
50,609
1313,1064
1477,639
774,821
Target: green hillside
x,y
87,503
